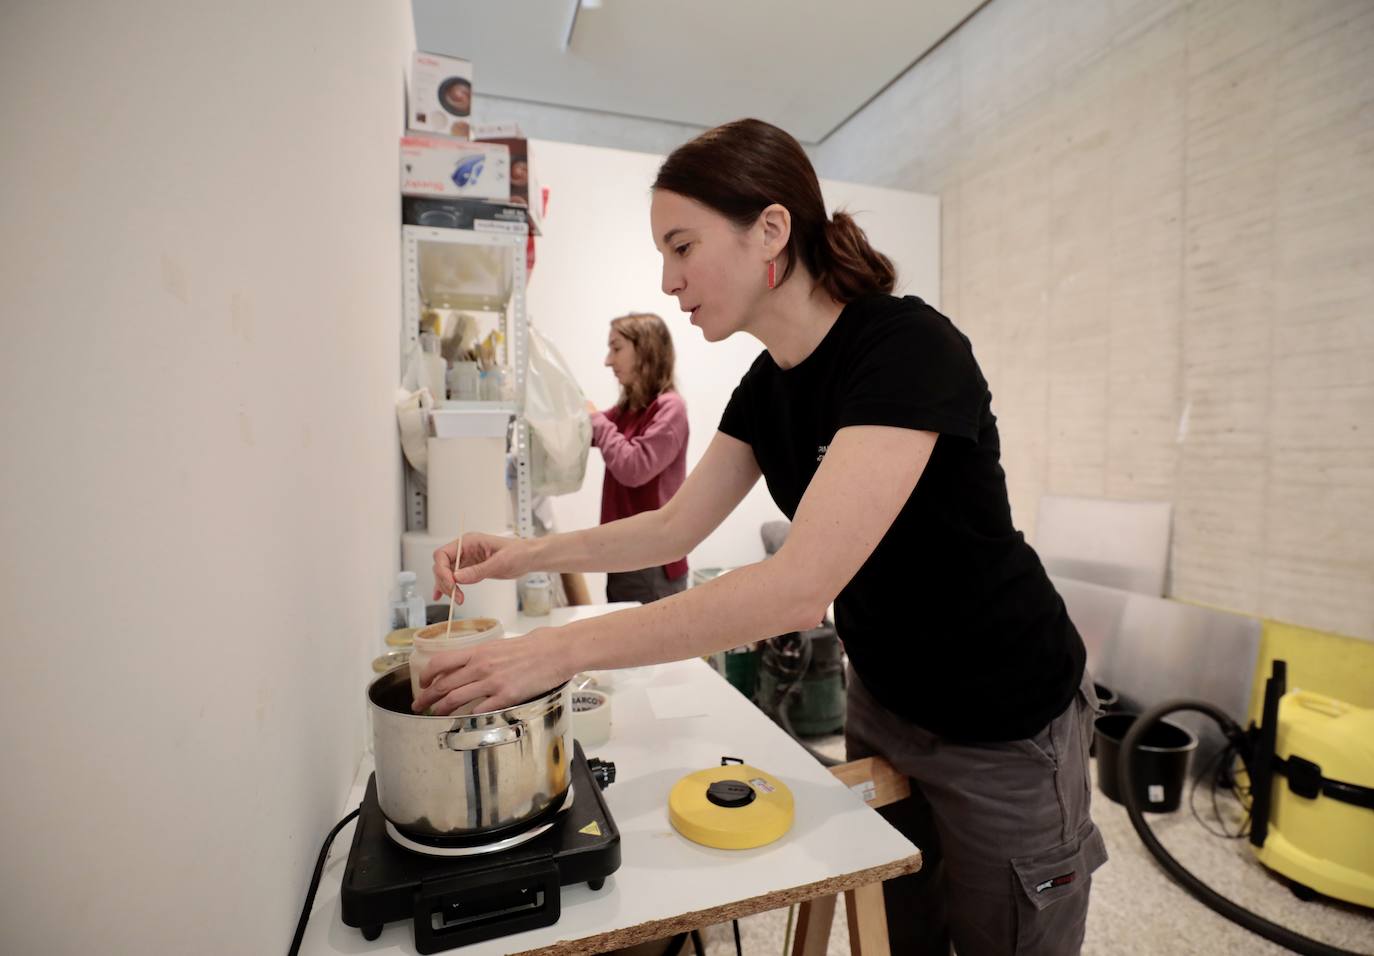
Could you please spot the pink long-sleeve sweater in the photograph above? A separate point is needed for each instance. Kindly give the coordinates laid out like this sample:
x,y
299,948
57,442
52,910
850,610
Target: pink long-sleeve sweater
x,y
646,460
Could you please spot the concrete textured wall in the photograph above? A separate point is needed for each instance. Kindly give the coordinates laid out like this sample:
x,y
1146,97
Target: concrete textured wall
x,y
1157,231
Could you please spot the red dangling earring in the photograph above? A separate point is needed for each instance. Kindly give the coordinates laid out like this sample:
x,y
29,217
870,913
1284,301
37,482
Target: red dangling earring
x,y
772,276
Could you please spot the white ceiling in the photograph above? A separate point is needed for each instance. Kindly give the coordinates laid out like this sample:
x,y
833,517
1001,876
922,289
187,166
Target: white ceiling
x,y
805,65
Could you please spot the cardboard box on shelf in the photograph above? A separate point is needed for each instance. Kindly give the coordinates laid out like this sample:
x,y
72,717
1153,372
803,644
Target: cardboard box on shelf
x,y
440,94
444,166
505,129
479,215
524,184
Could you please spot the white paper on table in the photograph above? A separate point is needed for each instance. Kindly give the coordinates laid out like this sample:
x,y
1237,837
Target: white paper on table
x,y
671,702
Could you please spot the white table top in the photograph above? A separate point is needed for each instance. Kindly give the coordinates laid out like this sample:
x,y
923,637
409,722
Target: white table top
x,y
663,875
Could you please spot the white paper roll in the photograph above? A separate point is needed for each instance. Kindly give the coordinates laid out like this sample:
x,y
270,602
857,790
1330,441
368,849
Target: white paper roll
x,y
467,485
487,599
591,717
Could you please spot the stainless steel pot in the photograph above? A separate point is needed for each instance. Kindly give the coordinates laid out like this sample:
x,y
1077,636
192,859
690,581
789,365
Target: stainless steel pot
x,y
472,775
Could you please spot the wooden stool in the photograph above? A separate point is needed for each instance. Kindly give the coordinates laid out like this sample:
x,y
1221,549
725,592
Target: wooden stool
x,y
880,784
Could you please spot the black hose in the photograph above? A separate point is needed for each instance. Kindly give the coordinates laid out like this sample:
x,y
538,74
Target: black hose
x,y
1214,900
315,882
784,704
786,723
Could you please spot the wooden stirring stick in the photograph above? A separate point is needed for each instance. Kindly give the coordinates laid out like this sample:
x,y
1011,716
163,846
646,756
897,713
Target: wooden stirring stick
x,y
457,563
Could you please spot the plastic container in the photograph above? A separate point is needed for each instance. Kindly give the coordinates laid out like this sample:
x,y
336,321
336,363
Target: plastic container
x,y
465,632
536,595
463,381
408,610
1160,763
401,638
496,385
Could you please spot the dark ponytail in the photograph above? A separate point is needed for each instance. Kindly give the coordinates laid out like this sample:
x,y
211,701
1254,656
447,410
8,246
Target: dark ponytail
x,y
855,267
743,167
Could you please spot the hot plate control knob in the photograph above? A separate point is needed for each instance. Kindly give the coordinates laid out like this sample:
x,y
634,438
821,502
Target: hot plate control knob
x,y
603,772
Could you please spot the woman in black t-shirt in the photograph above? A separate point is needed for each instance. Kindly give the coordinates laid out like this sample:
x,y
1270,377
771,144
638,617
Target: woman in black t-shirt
x,y
872,425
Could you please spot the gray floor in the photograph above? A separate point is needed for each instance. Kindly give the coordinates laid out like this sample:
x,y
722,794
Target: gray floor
x,y
1136,908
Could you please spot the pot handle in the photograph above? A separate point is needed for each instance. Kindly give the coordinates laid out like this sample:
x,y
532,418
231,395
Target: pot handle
x,y
482,738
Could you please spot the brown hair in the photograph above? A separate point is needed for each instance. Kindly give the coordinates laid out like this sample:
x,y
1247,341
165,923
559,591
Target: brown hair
x,y
743,167
654,358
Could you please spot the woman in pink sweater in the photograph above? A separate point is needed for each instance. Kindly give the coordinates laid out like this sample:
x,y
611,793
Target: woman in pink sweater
x,y
644,442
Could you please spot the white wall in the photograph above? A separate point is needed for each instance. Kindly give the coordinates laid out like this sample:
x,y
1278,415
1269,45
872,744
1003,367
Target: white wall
x,y
597,261
199,286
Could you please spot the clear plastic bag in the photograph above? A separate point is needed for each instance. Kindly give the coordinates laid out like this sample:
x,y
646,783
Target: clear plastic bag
x,y
560,429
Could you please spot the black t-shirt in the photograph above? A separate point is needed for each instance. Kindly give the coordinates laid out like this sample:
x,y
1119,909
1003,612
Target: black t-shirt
x,y
952,622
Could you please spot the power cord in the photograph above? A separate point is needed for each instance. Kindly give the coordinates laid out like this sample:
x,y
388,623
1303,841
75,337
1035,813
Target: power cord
x,y
787,932
315,882
1218,771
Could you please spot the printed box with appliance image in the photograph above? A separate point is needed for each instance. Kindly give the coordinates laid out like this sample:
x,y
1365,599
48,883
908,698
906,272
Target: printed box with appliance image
x,y
524,185
443,166
440,95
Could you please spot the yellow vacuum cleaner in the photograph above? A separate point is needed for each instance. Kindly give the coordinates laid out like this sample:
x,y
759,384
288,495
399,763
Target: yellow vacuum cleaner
x,y
1311,768
1313,811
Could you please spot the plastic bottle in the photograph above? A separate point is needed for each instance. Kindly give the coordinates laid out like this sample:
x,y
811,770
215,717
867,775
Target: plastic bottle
x,y
463,381
433,368
409,609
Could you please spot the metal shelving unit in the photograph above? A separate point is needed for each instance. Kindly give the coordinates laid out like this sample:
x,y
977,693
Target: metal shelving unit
x,y
479,270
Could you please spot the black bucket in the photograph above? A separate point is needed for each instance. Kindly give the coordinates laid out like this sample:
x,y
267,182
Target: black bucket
x,y
1110,704
1160,763
1106,698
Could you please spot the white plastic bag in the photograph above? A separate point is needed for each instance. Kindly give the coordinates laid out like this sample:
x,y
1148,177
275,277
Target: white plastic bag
x,y
560,430
411,410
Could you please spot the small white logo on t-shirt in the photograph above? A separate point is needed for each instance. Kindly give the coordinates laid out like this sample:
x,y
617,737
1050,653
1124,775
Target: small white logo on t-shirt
x,y
820,452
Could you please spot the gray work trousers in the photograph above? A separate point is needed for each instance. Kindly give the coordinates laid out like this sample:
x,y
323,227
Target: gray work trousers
x,y
1007,842
644,586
